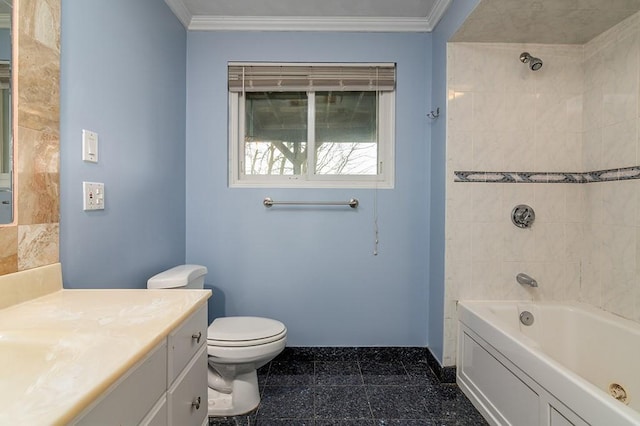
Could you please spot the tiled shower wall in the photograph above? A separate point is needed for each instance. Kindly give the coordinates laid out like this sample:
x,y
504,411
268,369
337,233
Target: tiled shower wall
x,y
578,113
32,240
611,258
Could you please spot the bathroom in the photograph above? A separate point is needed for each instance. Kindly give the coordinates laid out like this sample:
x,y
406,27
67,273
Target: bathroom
x,y
156,95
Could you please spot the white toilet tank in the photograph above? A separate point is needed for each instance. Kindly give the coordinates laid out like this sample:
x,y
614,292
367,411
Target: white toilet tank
x,y
183,276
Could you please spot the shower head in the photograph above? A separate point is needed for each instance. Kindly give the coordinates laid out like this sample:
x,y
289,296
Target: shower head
x,y
534,63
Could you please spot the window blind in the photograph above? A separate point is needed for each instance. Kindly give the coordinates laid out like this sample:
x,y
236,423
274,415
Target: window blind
x,y
264,77
5,75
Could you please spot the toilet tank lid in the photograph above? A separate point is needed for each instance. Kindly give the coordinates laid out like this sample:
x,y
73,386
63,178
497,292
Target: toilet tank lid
x,y
178,276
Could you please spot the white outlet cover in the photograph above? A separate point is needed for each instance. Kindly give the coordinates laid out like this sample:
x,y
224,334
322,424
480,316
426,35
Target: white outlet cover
x,y
92,196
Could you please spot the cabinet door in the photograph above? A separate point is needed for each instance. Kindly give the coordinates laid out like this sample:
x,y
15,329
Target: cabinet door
x,y
188,402
185,341
131,397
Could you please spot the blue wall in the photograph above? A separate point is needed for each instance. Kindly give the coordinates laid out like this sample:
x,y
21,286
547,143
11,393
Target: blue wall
x,y
454,17
123,66
311,268
123,75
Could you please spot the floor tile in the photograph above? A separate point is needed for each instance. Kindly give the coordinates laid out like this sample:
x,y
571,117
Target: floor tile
x,y
393,354
413,355
341,402
263,374
383,373
338,373
290,373
398,402
231,421
379,354
286,402
420,374
336,354
449,404
355,387
296,354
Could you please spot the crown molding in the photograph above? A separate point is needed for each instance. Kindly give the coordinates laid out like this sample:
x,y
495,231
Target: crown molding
x,y
180,10
307,23
437,12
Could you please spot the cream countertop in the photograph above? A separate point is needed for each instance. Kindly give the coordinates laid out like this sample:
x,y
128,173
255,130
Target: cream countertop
x,y
60,351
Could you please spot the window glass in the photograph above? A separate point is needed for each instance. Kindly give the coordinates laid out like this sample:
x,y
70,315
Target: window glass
x,y
275,137
346,137
321,125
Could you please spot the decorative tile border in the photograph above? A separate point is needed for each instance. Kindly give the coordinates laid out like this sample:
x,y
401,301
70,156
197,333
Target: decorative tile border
x,y
626,173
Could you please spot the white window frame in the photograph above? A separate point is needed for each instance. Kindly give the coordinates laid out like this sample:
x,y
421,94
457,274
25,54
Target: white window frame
x,y
385,178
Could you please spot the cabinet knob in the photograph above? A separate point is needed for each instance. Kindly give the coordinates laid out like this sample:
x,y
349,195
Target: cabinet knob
x,y
197,336
196,403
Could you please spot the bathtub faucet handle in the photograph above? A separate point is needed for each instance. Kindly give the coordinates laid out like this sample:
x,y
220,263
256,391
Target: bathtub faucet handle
x,y
525,279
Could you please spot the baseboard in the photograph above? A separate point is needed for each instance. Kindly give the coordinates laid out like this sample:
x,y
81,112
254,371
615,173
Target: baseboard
x,y
380,354
444,374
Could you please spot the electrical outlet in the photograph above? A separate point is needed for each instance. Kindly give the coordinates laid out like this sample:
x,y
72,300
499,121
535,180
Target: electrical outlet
x,y
92,196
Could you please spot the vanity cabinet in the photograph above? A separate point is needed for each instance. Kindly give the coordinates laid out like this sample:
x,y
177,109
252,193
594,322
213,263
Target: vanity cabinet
x,y
187,400
167,387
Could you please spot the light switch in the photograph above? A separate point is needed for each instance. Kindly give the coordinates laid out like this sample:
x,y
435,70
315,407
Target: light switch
x,y
89,146
92,196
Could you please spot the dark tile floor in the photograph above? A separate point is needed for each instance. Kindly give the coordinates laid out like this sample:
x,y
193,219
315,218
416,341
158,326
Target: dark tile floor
x,y
355,386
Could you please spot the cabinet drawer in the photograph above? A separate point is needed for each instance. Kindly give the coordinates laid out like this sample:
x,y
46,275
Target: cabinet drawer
x,y
188,398
128,400
184,342
158,415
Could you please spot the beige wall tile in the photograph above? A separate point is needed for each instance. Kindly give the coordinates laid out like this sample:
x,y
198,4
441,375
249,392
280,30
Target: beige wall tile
x,y
34,242
585,242
38,177
8,249
37,245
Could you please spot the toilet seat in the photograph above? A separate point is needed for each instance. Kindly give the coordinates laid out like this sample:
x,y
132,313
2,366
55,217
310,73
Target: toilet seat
x,y
244,331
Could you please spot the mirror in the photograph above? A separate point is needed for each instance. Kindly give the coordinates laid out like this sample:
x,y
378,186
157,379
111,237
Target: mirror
x,y
6,147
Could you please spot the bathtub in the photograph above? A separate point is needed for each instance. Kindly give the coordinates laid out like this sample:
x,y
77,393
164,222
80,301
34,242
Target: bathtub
x,y
567,368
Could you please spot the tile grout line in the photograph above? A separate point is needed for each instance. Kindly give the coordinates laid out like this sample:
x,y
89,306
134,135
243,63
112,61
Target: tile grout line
x,y
366,391
313,389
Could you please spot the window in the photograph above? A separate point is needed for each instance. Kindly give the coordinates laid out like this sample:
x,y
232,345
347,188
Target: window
x,y
311,125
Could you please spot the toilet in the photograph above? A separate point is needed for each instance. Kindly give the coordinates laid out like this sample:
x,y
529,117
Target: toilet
x,y
236,346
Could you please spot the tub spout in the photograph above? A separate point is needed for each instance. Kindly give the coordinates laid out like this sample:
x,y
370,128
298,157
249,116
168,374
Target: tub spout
x,y
525,279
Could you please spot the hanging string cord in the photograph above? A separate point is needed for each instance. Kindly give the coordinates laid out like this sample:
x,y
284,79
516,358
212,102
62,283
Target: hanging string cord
x,y
376,230
375,222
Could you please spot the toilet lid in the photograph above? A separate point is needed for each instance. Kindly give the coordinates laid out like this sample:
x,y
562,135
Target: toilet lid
x,y
244,331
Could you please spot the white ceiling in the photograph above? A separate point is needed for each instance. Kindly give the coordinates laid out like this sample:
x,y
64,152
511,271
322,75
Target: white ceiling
x,y
543,21
506,21
310,15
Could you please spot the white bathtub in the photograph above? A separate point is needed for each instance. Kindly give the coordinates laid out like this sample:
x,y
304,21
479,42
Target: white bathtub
x,y
557,371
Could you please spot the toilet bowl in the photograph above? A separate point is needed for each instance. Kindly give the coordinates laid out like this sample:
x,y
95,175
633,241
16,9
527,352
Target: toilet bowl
x,y
236,348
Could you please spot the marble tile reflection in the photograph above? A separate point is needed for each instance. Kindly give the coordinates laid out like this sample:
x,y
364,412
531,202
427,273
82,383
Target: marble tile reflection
x,y
8,249
38,64
34,241
38,177
38,245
